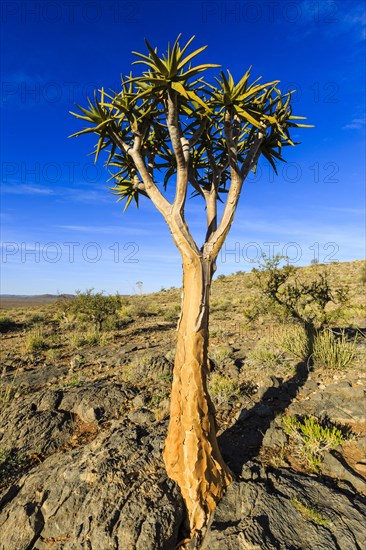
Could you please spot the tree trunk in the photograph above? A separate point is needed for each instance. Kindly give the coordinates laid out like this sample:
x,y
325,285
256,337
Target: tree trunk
x,y
191,455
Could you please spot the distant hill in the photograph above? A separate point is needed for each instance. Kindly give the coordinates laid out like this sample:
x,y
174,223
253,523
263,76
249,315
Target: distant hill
x,y
19,300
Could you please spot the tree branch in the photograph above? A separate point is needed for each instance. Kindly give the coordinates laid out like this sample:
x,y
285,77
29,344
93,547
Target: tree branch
x,y
216,240
180,144
198,133
181,151
252,156
211,212
150,155
161,203
118,141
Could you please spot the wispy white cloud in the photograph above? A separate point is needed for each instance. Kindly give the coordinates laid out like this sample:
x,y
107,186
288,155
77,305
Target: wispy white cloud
x,y
337,17
89,228
83,195
24,189
108,229
77,194
345,210
355,124
348,240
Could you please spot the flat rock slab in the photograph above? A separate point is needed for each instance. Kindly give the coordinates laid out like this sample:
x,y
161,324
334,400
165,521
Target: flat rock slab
x,y
111,493
44,421
287,511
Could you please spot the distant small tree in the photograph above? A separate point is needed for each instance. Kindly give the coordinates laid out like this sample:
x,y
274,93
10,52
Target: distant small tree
x,y
302,300
207,139
91,306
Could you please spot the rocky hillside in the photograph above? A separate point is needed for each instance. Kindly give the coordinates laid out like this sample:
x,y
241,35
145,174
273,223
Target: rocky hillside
x,y
83,416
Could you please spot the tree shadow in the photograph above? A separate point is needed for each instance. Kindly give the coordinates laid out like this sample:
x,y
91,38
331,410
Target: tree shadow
x,y
155,328
350,332
242,441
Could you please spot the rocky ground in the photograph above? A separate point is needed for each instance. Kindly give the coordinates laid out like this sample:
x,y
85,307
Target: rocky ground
x,y
82,431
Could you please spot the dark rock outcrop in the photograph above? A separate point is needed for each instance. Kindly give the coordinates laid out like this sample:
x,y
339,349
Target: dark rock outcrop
x,y
98,481
286,511
111,493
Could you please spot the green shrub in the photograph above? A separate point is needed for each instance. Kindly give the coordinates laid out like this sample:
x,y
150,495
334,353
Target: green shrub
x,y
91,337
140,307
72,382
295,341
220,354
36,318
91,307
6,324
222,389
157,398
147,368
310,513
126,312
266,354
363,274
35,341
138,369
172,313
312,438
52,355
170,355
221,304
333,352
6,394
284,292
12,462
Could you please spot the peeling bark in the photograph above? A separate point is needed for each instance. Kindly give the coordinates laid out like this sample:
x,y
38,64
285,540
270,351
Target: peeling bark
x,y
191,455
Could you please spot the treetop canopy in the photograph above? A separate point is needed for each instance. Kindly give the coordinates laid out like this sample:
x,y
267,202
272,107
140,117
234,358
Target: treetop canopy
x,y
175,120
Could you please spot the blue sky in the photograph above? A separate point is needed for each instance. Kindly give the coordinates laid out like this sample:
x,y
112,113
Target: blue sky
x,y
62,230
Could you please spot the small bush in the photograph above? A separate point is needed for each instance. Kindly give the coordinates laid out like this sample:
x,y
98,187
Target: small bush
x,y
88,306
36,318
125,312
220,354
148,368
11,463
266,355
172,313
295,341
35,341
116,323
222,389
363,274
332,352
67,319
73,382
141,308
138,369
88,338
170,355
6,324
157,398
286,293
52,355
312,439
310,513
220,305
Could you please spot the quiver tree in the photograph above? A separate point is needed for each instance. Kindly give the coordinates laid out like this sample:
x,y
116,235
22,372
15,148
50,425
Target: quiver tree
x,y
171,127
